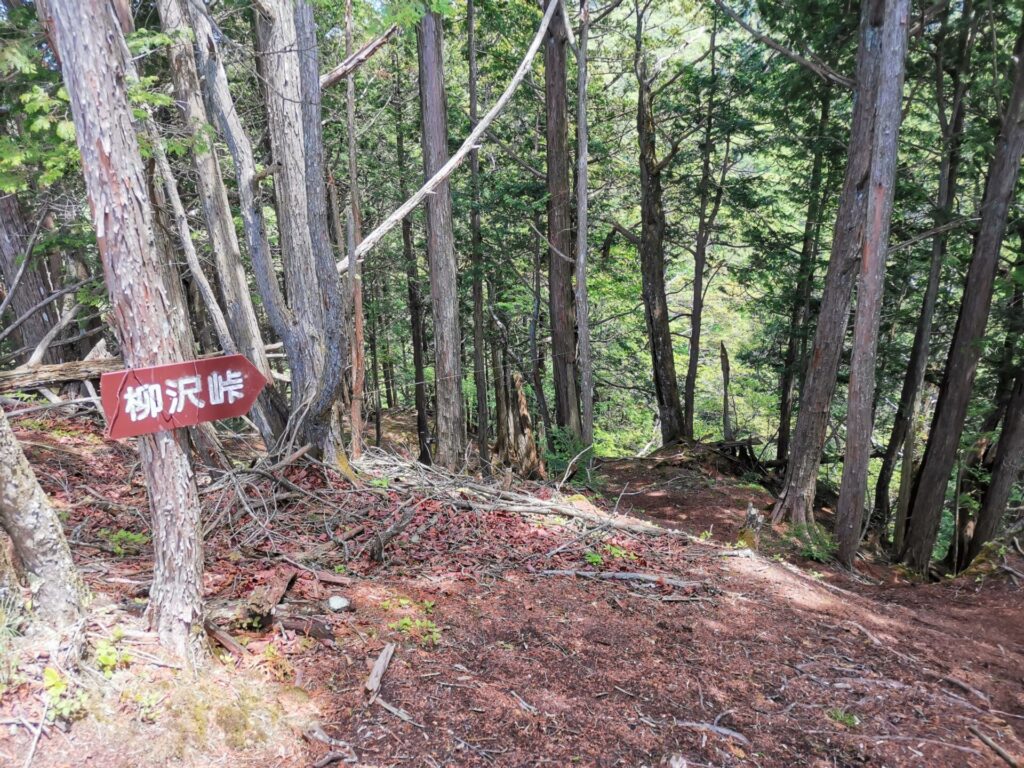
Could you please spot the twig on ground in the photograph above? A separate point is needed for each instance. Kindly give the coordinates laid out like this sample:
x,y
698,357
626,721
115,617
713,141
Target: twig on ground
x,y
988,742
712,728
650,578
39,732
380,666
398,712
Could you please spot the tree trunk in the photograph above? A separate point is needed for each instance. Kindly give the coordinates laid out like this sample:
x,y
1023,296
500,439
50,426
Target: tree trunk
x,y
240,313
451,425
560,250
727,431
412,283
586,362
374,368
536,356
929,493
355,267
871,283
705,222
1006,472
32,288
652,254
35,530
288,53
805,283
952,129
797,498
479,362
88,42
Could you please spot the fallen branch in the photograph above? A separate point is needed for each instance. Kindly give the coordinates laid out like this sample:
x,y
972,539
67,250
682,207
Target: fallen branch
x,y
357,59
712,728
648,578
373,682
988,742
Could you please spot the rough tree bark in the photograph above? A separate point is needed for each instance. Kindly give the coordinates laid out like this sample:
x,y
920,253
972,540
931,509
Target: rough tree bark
x,y
314,390
560,250
929,492
286,40
652,249
239,311
797,498
727,426
479,362
952,139
88,42
451,423
35,530
871,283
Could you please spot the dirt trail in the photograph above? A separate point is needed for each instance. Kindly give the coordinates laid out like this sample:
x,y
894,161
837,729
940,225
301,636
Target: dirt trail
x,y
755,662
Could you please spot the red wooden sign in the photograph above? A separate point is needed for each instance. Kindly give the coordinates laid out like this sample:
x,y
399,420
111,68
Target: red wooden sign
x,y
143,400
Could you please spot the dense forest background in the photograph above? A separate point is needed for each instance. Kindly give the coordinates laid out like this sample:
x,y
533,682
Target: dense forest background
x,y
768,212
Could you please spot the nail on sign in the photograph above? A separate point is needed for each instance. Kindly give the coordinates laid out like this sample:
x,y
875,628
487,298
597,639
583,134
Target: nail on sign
x,y
143,400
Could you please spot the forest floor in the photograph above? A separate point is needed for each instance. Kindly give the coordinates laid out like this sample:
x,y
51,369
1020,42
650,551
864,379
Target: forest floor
x,y
729,657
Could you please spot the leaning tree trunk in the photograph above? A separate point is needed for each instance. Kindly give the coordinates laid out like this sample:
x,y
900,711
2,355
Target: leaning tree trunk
x,y
797,498
560,259
479,362
1006,472
652,256
929,492
871,284
451,424
43,557
89,44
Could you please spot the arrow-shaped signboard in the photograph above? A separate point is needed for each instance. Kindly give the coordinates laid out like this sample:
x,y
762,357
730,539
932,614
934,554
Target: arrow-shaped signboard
x,y
143,400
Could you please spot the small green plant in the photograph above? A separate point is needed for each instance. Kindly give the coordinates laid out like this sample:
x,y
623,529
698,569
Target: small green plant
x,y
844,718
593,558
110,658
63,703
815,542
340,569
379,482
618,553
423,631
124,542
705,535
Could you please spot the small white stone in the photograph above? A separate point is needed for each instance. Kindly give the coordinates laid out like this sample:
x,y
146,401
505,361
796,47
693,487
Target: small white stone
x,y
338,603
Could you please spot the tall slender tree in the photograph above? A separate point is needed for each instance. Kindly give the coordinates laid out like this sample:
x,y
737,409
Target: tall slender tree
x,y
451,423
560,250
871,282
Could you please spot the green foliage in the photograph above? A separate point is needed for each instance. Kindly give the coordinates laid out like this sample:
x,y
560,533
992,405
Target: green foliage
x,y
814,542
124,542
64,702
423,631
843,717
109,657
593,558
567,448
